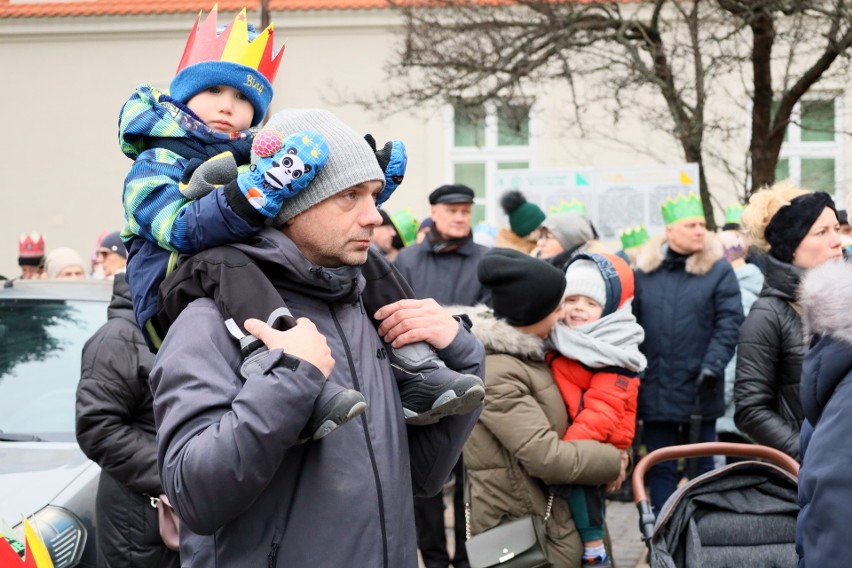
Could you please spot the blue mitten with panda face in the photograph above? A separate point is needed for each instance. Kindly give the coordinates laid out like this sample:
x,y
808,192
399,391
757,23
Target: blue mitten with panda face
x,y
285,166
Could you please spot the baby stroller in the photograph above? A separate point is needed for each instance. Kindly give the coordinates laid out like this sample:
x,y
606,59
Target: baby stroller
x,y
742,514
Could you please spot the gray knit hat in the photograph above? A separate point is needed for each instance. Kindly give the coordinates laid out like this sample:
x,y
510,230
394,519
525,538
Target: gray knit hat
x,y
570,229
351,161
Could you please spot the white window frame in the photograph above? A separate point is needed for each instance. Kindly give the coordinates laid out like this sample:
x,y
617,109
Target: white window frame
x,y
490,154
793,150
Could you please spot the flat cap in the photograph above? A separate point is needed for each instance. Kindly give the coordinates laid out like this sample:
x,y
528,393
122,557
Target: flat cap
x,y
454,193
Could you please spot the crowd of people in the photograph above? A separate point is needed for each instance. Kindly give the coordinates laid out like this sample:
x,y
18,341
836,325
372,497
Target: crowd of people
x,y
346,365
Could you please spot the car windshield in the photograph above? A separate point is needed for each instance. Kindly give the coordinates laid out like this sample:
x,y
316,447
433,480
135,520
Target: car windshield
x,y
40,347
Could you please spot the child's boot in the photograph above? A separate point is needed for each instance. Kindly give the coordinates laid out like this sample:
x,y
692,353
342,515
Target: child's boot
x,y
335,404
428,388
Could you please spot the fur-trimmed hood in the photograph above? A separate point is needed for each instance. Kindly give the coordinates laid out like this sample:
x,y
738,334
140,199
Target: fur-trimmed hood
x,y
507,239
825,297
498,336
651,255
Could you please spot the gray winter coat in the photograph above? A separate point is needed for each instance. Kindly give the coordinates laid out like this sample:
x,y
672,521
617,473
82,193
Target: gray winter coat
x,y
448,277
229,456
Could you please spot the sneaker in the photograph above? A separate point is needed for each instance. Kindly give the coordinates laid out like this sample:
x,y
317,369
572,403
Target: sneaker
x,y
334,407
604,561
431,394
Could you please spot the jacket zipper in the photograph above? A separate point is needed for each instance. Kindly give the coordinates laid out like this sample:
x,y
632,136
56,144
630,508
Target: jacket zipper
x,y
363,419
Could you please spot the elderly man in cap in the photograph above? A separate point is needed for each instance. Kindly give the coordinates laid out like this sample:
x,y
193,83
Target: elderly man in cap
x,y
111,256
444,267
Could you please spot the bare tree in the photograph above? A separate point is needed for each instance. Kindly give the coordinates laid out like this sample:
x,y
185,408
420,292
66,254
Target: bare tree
x,y
468,52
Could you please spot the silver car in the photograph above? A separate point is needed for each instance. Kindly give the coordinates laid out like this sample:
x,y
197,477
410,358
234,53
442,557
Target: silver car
x,y
43,474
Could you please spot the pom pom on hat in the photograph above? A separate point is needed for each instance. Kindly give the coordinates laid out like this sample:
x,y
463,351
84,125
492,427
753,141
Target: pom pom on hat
x,y
524,217
524,290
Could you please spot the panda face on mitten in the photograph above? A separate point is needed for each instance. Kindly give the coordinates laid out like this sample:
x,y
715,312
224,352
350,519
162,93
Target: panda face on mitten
x,y
286,170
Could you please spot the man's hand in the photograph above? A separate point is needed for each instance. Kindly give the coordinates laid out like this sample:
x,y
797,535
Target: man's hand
x,y
410,321
616,485
303,341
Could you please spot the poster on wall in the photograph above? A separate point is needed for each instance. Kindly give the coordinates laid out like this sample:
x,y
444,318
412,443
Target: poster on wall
x,y
614,198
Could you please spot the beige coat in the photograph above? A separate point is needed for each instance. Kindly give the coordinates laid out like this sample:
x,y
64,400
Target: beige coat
x,y
516,448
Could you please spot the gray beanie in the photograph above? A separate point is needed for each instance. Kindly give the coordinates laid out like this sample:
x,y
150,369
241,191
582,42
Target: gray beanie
x,y
583,278
351,161
570,229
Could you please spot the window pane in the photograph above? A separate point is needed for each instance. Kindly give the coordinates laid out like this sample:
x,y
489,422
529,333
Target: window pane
x,y
513,125
818,174
817,121
513,165
782,170
472,175
477,214
469,126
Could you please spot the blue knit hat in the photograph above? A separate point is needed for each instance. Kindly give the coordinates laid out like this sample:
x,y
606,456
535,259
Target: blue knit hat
x,y
196,78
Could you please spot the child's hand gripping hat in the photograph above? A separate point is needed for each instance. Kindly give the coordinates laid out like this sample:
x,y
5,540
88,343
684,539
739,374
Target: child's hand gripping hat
x,y
238,57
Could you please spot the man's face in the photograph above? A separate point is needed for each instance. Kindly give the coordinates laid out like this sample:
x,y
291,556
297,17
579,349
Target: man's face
x,y
111,262
383,237
29,272
687,236
338,231
452,220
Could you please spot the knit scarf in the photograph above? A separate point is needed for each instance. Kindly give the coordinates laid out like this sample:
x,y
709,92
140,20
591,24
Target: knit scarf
x,y
442,246
612,341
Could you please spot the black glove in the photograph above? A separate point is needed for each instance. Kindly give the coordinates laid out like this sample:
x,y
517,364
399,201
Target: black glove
x,y
706,381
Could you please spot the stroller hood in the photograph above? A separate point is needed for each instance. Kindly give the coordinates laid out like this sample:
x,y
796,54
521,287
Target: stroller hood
x,y
743,514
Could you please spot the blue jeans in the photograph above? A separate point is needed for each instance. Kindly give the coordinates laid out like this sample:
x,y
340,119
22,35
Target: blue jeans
x,y
662,479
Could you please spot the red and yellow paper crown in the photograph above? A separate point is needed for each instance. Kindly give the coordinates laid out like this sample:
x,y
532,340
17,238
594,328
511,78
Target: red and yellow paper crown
x,y
231,45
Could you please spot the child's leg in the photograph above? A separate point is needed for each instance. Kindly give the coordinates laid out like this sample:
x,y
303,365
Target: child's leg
x,y
587,509
241,291
428,388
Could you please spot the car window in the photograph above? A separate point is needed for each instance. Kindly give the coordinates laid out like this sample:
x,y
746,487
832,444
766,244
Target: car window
x,y
40,348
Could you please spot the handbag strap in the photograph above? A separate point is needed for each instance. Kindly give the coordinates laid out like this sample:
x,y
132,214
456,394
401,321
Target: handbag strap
x,y
466,489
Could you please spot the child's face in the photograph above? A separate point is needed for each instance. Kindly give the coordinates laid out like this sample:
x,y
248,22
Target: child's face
x,y
580,310
222,108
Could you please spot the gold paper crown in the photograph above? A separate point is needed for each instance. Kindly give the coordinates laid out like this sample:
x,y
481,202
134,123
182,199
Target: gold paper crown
x,y
574,205
634,237
231,45
682,207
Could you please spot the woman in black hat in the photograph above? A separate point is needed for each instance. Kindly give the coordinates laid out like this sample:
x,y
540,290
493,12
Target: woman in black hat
x,y
800,230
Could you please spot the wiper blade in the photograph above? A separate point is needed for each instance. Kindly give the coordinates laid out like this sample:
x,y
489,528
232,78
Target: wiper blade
x,y
13,437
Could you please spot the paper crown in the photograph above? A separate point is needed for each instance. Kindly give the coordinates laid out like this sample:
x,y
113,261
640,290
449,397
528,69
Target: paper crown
x,y
231,45
406,226
31,246
734,213
682,207
574,205
634,237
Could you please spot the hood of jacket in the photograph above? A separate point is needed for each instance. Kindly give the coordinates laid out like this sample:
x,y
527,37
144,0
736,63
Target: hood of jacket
x,y
652,255
782,279
826,301
149,113
750,278
825,297
498,336
121,304
290,270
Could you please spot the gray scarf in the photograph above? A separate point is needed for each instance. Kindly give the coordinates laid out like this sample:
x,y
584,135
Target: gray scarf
x,y
612,341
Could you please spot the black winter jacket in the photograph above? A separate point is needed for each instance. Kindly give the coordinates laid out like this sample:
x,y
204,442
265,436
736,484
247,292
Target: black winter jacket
x,y
769,363
115,429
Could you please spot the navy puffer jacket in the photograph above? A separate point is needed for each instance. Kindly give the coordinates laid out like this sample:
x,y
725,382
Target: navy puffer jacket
x,y
691,310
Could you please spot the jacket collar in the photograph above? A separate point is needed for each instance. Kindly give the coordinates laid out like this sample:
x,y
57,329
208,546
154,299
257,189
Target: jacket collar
x,y
782,279
653,254
499,337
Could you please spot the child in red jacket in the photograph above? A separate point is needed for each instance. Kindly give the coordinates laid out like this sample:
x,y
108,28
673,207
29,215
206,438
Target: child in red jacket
x,y
596,366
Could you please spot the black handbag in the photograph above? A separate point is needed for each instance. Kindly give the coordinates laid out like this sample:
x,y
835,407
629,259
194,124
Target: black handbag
x,y
519,543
